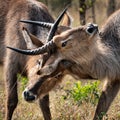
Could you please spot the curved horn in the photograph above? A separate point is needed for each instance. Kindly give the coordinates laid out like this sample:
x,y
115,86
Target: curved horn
x,y
42,24
54,28
48,46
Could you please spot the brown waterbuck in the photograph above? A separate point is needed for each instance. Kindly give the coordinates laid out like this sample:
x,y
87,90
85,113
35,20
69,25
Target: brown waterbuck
x,y
90,52
14,63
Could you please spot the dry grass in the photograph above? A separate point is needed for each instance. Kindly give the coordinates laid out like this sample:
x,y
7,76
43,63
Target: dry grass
x,y
62,109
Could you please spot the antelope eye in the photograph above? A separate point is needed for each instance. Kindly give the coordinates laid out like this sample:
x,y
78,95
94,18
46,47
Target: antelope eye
x,y
64,44
90,30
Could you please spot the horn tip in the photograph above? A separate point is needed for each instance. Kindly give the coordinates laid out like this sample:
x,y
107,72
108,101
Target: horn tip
x,y
21,20
24,21
9,47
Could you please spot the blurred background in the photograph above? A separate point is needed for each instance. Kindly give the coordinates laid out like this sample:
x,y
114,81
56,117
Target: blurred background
x,y
71,100
84,11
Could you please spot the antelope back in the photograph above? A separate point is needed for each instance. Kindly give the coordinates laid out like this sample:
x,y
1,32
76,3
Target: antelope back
x,y
4,10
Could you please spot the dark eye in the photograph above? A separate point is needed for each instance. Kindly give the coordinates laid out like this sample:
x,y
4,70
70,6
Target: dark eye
x,y
90,30
64,44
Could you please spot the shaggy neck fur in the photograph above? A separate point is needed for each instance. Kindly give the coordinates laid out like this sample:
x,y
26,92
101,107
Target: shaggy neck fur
x,y
97,60
103,63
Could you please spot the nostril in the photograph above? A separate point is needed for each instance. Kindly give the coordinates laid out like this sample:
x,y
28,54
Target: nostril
x,y
28,96
25,94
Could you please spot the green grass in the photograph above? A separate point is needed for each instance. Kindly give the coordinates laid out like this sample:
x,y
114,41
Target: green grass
x,y
62,103
71,100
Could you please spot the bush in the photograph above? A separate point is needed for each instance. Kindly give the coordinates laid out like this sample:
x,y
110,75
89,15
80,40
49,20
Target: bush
x,y
89,92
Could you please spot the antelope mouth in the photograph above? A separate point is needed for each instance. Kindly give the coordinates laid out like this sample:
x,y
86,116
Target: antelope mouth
x,y
29,96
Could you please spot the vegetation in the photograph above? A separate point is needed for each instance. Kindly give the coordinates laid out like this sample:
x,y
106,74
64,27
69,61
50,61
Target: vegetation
x,y
23,80
83,7
88,93
71,104
71,100
66,103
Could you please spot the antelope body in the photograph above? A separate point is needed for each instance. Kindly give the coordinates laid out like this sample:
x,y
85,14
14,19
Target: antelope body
x,y
4,10
15,33
12,11
86,53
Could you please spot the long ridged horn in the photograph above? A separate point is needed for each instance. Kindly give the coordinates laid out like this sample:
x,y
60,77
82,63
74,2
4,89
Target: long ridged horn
x,y
49,46
42,24
54,28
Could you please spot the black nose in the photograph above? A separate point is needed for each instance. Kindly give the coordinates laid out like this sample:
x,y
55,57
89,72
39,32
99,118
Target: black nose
x,y
28,96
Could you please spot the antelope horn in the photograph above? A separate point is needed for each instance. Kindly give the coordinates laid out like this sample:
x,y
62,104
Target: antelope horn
x,y
54,28
49,46
42,24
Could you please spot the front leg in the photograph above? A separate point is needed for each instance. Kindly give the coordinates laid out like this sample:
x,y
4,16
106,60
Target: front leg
x,y
44,105
110,91
10,76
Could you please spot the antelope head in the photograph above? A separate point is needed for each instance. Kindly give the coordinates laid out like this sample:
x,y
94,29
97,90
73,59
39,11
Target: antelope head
x,y
36,73
71,46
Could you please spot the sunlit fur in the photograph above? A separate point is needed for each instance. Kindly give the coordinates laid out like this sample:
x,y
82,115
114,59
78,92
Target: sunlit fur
x,y
12,11
96,58
96,55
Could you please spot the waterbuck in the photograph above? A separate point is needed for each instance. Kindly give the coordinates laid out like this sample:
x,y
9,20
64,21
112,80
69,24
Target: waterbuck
x,y
84,52
14,63
4,10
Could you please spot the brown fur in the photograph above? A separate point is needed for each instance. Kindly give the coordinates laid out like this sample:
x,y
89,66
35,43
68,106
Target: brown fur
x,y
10,30
3,9
95,55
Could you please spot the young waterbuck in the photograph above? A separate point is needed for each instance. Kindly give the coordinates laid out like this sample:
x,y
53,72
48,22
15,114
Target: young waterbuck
x,y
85,52
14,63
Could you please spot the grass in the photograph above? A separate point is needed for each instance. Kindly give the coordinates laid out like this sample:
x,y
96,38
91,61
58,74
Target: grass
x,y
63,106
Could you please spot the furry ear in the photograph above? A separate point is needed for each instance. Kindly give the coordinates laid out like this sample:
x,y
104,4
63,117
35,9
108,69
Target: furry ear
x,y
62,29
35,40
65,24
67,20
31,40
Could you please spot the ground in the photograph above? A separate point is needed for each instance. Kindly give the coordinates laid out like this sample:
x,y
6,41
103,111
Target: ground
x,y
62,109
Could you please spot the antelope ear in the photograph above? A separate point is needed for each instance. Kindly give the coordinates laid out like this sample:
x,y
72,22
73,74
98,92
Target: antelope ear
x,y
62,29
67,20
31,40
65,24
35,40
